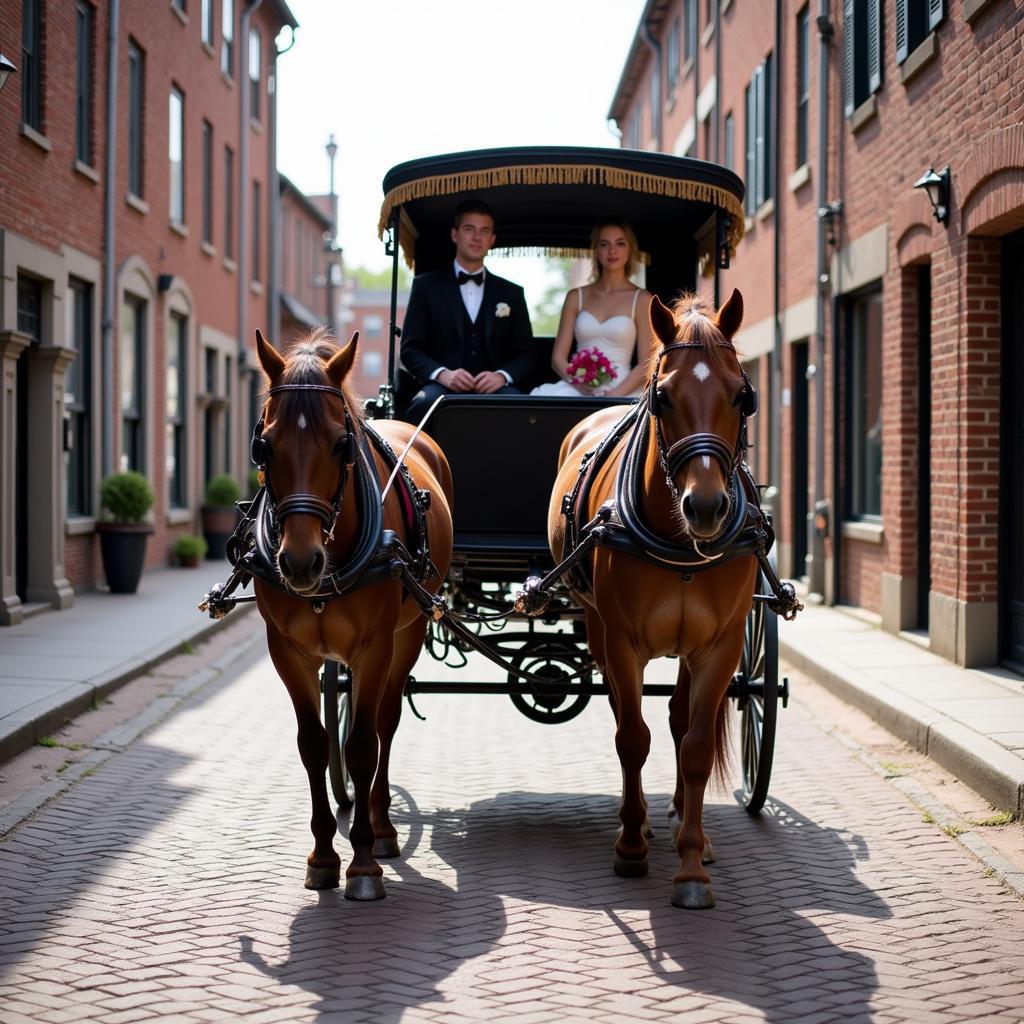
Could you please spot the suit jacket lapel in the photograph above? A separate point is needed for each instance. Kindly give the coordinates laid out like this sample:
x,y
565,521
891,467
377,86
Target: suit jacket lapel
x,y
487,308
455,304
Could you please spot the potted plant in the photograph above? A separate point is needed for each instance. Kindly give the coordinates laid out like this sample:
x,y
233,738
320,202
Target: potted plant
x,y
125,499
188,549
219,514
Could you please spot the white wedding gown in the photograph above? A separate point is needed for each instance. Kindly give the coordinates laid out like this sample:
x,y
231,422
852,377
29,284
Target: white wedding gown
x,y
614,337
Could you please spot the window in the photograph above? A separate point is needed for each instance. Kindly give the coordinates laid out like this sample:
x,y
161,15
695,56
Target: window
x,y
372,325
30,307
133,341
689,30
206,21
177,364
229,203
83,83
864,405
180,4
759,142
208,182
136,84
914,20
227,43
256,232
373,363
32,63
633,127
655,87
77,394
729,130
255,61
176,155
803,82
672,56
862,51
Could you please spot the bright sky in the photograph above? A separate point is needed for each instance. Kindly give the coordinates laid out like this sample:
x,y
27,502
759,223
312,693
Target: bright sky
x,y
398,79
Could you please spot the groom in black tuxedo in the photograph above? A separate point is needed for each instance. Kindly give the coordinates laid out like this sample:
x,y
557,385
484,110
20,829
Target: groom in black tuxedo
x,y
466,330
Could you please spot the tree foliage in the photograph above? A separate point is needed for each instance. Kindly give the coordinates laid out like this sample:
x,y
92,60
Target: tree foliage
x,y
545,314
379,280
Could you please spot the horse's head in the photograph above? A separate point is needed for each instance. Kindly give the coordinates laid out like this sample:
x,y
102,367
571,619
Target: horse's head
x,y
698,396
304,444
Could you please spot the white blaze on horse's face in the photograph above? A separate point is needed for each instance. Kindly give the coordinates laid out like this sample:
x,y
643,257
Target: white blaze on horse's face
x,y
302,421
701,372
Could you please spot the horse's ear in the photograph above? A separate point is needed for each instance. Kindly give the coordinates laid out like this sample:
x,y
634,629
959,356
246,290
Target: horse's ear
x,y
270,359
730,316
341,362
663,323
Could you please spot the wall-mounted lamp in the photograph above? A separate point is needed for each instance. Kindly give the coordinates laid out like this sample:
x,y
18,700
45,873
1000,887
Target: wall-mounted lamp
x,y
822,517
164,282
829,215
937,188
6,67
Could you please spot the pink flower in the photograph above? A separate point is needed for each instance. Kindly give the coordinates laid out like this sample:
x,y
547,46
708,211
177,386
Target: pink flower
x,y
592,367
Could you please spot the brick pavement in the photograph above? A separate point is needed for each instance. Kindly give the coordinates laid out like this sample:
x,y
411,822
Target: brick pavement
x,y
168,885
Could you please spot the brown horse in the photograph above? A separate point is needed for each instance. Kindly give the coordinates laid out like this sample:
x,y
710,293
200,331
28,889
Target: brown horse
x,y
313,446
635,610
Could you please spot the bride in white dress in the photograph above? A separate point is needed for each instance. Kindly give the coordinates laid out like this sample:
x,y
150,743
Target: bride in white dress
x,y
611,314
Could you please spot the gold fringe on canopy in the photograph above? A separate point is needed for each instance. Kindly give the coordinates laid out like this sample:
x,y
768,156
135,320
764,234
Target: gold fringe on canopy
x,y
562,174
568,252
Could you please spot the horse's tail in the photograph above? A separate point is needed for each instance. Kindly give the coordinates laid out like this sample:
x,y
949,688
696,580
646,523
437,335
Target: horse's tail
x,y
721,769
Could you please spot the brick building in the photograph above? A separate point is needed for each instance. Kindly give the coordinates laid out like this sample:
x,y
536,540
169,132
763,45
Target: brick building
x,y
888,344
368,311
136,227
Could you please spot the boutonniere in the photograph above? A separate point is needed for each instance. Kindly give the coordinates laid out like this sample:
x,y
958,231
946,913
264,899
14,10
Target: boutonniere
x,y
502,309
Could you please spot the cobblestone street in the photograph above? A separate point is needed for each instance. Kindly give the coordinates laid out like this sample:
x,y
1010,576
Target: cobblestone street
x,y
168,885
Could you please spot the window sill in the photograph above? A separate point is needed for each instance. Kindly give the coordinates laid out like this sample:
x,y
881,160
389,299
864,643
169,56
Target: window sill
x,y
707,34
687,68
78,526
726,4
137,204
255,125
863,530
974,8
800,177
179,13
28,132
863,114
230,265
670,101
86,171
205,247
209,50
179,516
748,225
227,79
922,56
765,210
256,287
178,228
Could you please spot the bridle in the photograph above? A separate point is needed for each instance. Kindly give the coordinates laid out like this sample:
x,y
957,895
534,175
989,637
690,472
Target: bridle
x,y
672,457
300,502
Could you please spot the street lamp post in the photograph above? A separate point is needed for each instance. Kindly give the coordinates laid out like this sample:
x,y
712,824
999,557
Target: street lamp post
x,y
330,246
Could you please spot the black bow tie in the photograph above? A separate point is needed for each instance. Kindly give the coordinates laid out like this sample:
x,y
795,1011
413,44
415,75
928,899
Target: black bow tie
x,y
477,278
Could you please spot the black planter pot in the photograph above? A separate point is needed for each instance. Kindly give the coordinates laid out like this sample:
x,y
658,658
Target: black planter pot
x,y
219,522
123,546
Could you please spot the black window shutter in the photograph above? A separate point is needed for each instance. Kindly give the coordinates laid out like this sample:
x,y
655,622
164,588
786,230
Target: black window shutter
x,y
849,103
936,12
902,33
874,47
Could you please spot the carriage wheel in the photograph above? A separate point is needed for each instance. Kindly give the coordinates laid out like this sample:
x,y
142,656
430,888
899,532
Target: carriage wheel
x,y
758,701
338,722
561,697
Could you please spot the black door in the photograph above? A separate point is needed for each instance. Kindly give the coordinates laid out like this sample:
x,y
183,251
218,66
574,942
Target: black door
x,y
798,447
1011,533
21,478
924,434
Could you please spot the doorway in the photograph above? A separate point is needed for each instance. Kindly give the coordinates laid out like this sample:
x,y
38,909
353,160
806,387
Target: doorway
x,y
800,428
924,443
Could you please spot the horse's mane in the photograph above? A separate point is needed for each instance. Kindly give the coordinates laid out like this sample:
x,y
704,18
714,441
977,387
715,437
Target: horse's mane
x,y
305,359
695,325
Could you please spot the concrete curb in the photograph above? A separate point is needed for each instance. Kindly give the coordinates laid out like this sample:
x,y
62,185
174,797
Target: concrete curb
x,y
47,716
981,763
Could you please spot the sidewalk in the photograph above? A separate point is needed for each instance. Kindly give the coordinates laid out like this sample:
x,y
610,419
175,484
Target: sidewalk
x,y
55,664
970,721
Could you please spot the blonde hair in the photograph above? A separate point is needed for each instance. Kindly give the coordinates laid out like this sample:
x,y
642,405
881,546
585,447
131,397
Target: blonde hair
x,y
634,248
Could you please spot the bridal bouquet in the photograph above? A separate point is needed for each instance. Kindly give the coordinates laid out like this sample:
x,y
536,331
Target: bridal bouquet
x,y
590,366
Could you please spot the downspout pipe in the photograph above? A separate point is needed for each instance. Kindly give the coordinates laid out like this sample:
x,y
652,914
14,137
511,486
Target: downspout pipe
x,y
244,189
775,459
109,239
274,228
716,134
816,576
654,46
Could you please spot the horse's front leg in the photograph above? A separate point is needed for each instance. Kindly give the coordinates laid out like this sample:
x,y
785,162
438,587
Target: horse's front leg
x,y
624,672
698,750
300,676
363,877
679,721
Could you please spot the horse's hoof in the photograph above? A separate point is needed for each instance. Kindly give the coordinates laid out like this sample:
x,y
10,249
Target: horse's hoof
x,y
629,868
364,888
692,895
648,829
323,878
386,847
708,856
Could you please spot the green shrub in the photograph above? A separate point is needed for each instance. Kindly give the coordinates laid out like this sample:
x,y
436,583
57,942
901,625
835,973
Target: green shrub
x,y
189,546
126,497
222,491
254,482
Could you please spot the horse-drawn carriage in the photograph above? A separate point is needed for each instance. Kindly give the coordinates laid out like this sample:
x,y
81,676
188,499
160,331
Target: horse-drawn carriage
x,y
534,537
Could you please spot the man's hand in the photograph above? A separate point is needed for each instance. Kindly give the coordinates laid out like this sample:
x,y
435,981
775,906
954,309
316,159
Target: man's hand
x,y
488,382
458,380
